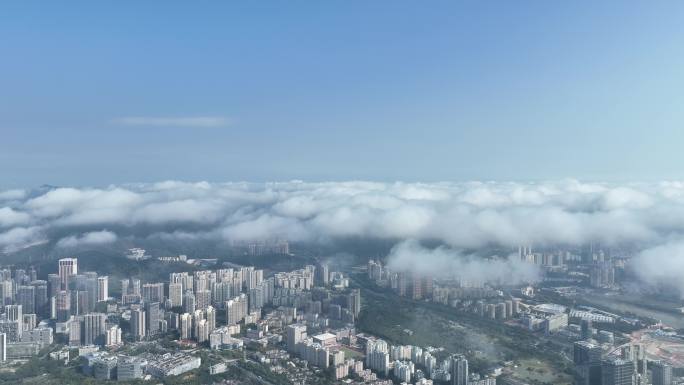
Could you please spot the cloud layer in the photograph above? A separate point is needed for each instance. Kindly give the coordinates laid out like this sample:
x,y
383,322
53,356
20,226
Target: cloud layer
x,y
459,215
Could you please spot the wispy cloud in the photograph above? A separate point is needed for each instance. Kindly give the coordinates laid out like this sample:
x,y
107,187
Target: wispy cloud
x,y
88,239
184,121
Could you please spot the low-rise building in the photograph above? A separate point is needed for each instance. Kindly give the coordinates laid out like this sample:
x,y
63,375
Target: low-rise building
x,y
173,365
129,368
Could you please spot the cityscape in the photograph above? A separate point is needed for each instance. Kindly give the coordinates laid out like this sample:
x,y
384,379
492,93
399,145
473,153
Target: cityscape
x,y
386,192
326,322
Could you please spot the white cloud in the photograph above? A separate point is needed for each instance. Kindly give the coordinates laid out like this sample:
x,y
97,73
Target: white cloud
x,y
188,121
662,264
443,262
18,237
10,217
459,215
88,239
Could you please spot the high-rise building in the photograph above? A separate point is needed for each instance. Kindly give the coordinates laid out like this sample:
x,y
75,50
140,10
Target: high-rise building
x,y
202,333
253,277
68,267
14,312
414,285
3,347
402,371
12,329
459,370
6,293
210,316
617,372
152,317
377,356
63,305
202,299
256,298
134,287
93,330
185,279
203,280
322,274
661,373
113,336
602,274
41,297
54,284
26,297
153,292
172,320
176,294
221,292
102,288
295,334
236,309
354,302
196,318
29,322
637,354
74,327
138,323
587,359
185,326
189,302
124,288
90,288
585,329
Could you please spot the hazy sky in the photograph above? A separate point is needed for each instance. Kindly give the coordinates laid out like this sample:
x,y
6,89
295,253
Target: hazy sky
x,y
93,93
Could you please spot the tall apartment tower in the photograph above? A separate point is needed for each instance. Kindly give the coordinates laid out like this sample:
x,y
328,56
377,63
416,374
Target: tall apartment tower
x,y
202,299
354,302
189,302
41,297
176,294
26,297
138,323
102,288
459,370
210,316
94,328
124,287
14,312
63,305
152,317
661,373
322,275
3,347
67,267
185,326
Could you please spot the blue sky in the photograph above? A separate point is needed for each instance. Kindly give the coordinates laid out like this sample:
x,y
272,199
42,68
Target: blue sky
x,y
93,93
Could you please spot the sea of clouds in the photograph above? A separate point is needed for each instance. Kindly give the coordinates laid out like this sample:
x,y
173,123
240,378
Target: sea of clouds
x,y
458,215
